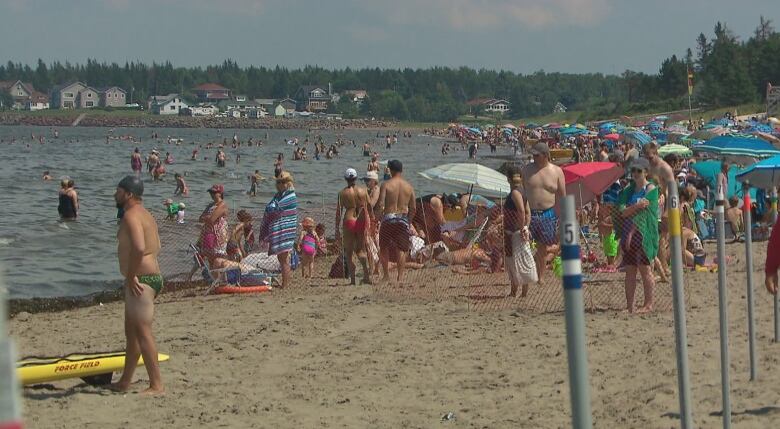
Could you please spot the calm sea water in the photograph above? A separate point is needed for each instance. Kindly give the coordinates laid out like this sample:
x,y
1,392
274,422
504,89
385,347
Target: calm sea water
x,y
44,257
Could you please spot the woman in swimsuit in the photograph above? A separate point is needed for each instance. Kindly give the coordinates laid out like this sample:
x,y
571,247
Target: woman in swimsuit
x,y
638,217
214,234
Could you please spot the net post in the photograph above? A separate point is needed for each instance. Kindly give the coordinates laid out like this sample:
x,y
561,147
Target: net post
x,y
723,306
678,302
10,402
579,385
749,271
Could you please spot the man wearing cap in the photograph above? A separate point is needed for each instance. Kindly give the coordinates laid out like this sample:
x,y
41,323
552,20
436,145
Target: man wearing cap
x,y
139,245
545,186
354,201
397,205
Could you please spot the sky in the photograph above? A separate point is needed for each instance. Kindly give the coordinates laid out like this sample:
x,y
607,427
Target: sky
x,y
524,36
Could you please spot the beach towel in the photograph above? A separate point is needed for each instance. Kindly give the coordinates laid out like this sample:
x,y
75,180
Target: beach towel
x,y
520,264
280,222
644,221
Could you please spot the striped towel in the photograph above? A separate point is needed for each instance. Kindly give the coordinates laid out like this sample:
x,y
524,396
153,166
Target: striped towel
x,y
282,222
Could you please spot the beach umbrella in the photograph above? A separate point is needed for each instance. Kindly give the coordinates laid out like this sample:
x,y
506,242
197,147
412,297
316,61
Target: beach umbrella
x,y
552,125
706,134
637,137
587,180
476,177
510,126
676,149
580,126
708,170
532,125
614,137
764,174
737,148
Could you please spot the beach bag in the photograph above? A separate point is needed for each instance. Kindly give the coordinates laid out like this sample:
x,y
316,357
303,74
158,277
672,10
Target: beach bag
x,y
339,269
295,259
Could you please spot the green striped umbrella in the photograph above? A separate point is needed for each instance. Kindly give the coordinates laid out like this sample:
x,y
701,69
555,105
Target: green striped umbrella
x,y
676,149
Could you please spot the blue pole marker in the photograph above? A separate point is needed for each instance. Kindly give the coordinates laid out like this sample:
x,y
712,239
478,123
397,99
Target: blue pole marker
x,y
579,385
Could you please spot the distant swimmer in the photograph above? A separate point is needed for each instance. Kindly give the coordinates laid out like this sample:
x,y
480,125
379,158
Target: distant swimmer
x,y
366,149
373,165
168,158
68,206
136,163
138,247
181,185
46,176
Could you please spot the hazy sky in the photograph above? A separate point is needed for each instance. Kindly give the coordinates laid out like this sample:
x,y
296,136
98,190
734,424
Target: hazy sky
x,y
520,35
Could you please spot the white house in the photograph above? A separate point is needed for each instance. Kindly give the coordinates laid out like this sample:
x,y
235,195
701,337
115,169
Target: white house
x,y
170,104
256,113
203,110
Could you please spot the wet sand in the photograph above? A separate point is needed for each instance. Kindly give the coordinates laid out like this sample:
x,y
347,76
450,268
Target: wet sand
x,y
328,356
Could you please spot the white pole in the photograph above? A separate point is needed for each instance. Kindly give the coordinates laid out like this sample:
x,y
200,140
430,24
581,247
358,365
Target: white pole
x,y
678,301
579,385
723,307
749,270
10,403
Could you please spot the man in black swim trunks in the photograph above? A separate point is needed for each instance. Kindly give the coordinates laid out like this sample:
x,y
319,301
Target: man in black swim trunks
x,y
139,245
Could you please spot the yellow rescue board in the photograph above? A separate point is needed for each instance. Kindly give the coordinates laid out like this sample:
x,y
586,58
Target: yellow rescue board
x,y
42,370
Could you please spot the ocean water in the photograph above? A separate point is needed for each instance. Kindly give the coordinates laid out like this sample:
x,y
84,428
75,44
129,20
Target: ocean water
x,y
45,257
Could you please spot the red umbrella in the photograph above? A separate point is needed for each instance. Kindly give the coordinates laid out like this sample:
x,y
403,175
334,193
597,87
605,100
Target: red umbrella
x,y
613,137
587,180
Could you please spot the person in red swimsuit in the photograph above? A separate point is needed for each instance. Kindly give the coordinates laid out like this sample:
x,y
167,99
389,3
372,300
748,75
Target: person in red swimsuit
x,y
353,200
772,260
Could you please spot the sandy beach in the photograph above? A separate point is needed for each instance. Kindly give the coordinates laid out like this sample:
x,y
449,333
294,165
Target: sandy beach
x,y
351,357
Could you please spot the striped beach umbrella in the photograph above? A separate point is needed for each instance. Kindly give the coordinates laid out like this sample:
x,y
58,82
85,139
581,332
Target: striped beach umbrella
x,y
737,146
676,149
480,179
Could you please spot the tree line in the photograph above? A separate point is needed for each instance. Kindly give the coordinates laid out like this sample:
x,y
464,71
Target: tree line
x,y
727,71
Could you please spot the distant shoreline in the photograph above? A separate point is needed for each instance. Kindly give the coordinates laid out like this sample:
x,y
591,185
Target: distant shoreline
x,y
135,120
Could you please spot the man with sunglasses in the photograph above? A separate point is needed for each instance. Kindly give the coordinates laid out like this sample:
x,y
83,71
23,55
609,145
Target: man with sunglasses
x,y
545,187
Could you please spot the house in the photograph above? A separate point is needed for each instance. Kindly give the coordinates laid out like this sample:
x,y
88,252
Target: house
x,y
170,104
211,92
256,113
559,108
490,105
37,101
88,98
283,107
312,98
24,95
112,96
201,110
266,103
357,96
240,98
66,96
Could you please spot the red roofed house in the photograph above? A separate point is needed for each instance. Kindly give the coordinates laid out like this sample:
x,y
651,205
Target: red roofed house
x,y
24,95
211,92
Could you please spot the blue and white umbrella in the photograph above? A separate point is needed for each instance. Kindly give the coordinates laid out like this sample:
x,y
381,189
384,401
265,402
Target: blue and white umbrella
x,y
764,174
737,146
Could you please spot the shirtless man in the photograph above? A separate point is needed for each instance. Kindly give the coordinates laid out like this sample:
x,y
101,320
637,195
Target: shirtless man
x,y
661,170
396,203
139,245
373,165
545,187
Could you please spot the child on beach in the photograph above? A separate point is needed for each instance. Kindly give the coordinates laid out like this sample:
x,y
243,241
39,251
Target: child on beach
x,y
322,244
171,209
180,214
307,246
241,238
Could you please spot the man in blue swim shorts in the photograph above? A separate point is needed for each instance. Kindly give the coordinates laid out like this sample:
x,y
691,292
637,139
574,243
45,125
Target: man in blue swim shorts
x,y
545,187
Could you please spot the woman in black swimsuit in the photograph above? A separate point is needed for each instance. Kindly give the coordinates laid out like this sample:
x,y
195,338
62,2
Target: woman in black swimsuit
x,y
68,206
